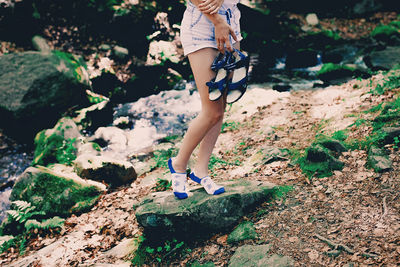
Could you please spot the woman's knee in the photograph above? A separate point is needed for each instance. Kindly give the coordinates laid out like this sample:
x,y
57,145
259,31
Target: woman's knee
x,y
214,116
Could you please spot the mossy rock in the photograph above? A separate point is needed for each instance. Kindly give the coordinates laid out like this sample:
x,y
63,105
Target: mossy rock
x,y
319,161
385,33
331,71
55,192
57,145
243,231
331,144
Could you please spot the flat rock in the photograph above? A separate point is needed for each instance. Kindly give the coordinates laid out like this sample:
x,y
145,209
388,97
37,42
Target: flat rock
x,y
162,215
257,256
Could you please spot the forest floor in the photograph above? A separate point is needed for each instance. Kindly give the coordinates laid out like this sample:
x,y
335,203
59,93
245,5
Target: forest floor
x,y
355,208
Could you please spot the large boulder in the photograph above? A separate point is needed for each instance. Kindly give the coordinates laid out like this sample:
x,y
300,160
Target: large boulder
x,y
163,216
36,88
56,191
257,256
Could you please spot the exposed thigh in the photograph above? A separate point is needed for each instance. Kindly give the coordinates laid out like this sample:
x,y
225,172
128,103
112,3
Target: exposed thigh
x,y
200,62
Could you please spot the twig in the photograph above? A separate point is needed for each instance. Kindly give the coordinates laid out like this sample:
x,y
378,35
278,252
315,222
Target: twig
x,y
384,207
334,245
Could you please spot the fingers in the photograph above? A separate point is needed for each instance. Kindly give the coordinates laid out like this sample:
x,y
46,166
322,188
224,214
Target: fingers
x,y
220,46
210,6
233,34
209,9
228,45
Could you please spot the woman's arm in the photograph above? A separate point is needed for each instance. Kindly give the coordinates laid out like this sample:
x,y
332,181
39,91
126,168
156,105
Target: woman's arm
x,y
222,29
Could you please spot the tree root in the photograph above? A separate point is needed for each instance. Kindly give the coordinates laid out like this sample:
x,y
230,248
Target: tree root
x,y
343,247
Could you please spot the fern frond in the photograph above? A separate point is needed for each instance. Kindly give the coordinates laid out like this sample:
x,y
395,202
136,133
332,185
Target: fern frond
x,y
53,222
23,205
33,224
13,214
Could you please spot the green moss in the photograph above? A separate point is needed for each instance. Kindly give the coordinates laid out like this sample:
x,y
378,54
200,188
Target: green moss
x,y
77,64
330,67
327,33
96,146
243,231
340,135
55,195
395,24
384,30
53,149
319,161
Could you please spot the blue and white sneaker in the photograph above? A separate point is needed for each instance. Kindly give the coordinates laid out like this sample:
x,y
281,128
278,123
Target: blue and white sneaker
x,y
208,184
179,182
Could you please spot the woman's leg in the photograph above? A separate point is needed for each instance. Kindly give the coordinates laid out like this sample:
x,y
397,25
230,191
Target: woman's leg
x,y
208,143
211,111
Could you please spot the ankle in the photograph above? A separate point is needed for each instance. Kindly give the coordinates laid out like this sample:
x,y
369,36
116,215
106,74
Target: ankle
x,y
179,168
200,173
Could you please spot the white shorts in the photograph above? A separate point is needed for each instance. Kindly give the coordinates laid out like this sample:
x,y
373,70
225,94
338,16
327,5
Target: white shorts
x,y
198,32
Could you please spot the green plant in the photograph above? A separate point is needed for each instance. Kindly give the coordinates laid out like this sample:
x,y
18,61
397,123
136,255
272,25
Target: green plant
x,y
21,220
340,135
391,82
216,162
396,142
161,157
230,126
164,252
162,185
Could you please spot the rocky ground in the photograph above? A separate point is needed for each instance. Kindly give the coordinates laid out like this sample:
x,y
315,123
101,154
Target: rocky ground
x,y
355,209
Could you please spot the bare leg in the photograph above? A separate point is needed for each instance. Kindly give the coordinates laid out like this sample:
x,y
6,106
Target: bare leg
x,y
207,144
211,111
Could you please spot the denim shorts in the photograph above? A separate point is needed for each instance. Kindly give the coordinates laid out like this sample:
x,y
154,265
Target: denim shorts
x,y
198,32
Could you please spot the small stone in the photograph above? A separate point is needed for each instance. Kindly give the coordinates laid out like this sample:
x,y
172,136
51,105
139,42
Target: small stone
x,y
120,52
105,47
40,44
312,19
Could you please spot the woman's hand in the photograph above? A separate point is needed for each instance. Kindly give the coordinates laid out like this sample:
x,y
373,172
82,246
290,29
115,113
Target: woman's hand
x,y
222,32
210,6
